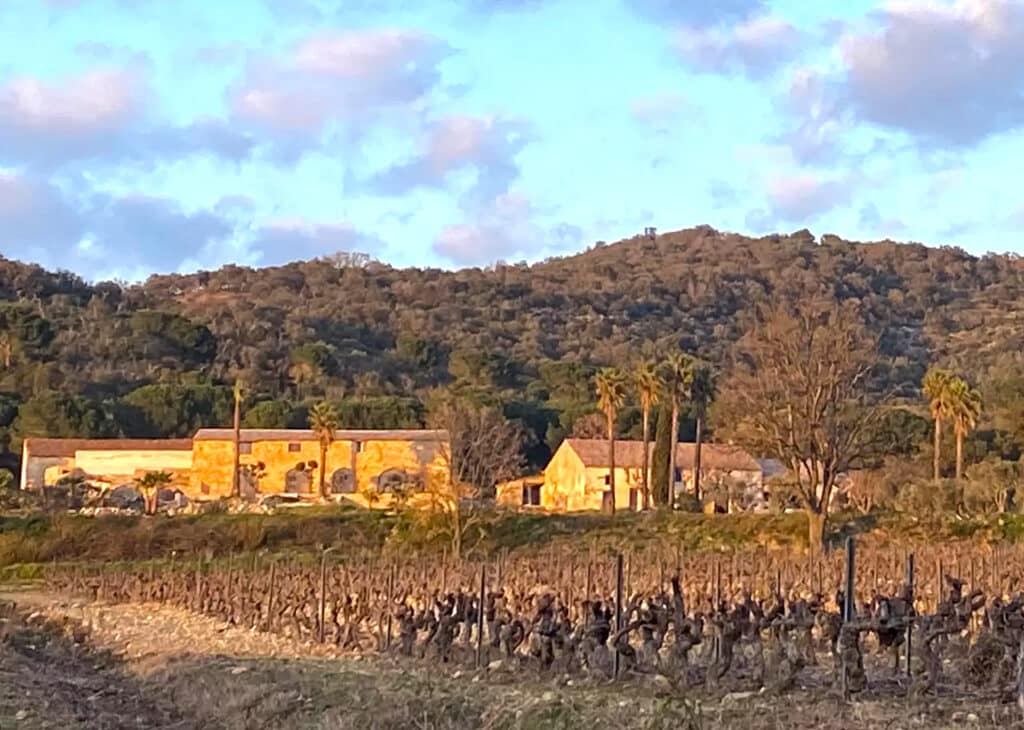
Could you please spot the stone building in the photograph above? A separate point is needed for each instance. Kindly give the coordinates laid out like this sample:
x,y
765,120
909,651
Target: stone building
x,y
578,476
369,468
44,461
363,466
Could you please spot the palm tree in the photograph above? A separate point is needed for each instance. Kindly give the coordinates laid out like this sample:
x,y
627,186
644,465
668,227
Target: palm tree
x,y
936,389
964,410
324,422
150,484
678,380
702,391
237,424
611,394
648,386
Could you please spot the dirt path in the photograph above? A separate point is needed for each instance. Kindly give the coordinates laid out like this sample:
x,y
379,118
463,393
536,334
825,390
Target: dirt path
x,y
75,665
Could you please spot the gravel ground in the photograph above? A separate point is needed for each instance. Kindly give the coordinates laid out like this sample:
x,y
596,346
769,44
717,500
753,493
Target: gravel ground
x,y
69,664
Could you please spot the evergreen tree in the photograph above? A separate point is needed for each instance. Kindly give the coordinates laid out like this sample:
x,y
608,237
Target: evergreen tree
x,y
659,460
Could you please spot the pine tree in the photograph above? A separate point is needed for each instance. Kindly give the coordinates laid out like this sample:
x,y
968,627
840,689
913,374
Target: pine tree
x,y
659,460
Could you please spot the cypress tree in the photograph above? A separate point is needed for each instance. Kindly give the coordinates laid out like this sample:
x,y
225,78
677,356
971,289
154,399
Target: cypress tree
x,y
659,460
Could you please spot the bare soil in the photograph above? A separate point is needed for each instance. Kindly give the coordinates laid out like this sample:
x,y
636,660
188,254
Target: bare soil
x,y
69,664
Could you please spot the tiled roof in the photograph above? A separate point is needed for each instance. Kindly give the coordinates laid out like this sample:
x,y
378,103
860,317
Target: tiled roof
x,y
46,447
630,454
302,434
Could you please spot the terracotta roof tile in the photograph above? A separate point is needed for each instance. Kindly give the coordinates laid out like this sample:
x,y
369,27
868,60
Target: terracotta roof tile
x,y
629,455
302,434
47,447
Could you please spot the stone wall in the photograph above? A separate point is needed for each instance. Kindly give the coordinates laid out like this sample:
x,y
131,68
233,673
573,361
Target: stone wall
x,y
367,460
130,463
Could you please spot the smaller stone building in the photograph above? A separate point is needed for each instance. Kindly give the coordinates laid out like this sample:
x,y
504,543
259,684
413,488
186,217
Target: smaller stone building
x,y
578,476
44,461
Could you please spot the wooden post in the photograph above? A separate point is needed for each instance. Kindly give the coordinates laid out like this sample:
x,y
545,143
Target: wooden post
x,y
444,572
199,586
391,606
910,626
938,584
618,609
850,605
718,603
270,598
321,628
480,614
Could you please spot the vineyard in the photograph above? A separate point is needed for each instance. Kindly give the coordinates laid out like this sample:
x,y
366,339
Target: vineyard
x,y
938,620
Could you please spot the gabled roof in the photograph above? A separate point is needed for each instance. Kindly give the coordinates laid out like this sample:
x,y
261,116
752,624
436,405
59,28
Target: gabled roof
x,y
305,434
629,455
46,447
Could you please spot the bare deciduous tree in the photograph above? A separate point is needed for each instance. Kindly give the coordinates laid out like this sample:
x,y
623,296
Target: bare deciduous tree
x,y
799,392
483,449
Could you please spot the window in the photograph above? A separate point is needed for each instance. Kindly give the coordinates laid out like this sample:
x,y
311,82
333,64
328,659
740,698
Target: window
x,y
245,447
531,495
607,480
357,446
634,500
294,448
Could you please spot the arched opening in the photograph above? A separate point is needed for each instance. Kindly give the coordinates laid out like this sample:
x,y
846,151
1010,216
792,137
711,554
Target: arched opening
x,y
298,480
248,482
343,481
396,480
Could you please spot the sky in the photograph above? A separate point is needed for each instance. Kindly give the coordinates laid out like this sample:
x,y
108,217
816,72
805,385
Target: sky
x,y
142,136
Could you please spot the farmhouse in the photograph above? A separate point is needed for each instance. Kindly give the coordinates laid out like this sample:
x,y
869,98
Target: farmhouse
x,y
365,467
578,476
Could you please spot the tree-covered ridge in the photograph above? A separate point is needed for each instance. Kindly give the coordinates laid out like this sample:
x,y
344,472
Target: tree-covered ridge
x,y
158,358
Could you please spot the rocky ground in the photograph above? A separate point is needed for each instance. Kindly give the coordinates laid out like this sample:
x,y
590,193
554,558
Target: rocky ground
x,y
68,664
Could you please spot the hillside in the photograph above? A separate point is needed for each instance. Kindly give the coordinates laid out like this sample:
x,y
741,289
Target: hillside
x,y
374,337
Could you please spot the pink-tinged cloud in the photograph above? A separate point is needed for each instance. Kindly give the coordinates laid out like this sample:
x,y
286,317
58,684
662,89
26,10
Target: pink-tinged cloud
x,y
96,101
802,197
345,76
949,72
100,117
505,229
756,46
487,144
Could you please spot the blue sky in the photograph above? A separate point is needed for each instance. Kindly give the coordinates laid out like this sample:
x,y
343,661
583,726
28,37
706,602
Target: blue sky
x,y
141,136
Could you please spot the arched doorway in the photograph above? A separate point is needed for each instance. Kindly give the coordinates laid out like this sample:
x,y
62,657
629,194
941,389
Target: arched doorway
x,y
298,480
394,480
343,481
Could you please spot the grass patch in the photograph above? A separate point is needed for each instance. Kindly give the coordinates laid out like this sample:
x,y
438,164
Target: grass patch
x,y
43,539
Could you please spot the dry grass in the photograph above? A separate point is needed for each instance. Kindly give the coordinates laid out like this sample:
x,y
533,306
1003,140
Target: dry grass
x,y
149,666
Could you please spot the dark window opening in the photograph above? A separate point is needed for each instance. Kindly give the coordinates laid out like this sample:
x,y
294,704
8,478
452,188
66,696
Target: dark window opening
x,y
358,447
634,499
294,448
531,496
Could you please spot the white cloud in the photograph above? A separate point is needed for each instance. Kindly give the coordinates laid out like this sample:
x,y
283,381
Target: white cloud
x,y
756,46
946,72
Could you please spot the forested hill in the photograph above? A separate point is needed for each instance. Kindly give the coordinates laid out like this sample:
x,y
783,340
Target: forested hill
x,y
154,359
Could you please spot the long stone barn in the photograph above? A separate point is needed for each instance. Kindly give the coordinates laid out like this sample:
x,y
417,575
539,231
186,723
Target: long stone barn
x,y
365,467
